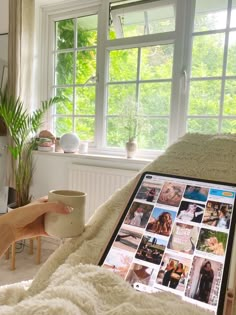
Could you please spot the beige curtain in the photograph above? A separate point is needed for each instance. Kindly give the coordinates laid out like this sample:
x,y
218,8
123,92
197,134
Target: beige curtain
x,y
21,49
20,57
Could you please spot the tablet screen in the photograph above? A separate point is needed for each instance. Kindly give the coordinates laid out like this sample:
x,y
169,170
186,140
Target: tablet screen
x,y
176,235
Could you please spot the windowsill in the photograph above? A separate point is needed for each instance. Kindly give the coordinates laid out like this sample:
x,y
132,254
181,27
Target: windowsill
x,y
90,155
99,159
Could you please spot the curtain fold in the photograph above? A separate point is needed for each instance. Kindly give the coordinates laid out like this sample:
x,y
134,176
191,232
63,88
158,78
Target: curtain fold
x,y
20,59
21,49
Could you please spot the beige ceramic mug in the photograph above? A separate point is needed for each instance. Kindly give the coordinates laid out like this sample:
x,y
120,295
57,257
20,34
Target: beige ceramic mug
x,y
66,225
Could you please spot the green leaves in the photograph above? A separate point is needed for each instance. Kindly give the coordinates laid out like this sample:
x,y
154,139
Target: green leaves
x,y
20,123
36,119
22,127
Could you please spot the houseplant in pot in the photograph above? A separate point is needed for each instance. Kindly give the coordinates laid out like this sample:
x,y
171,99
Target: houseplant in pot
x,y
132,123
22,127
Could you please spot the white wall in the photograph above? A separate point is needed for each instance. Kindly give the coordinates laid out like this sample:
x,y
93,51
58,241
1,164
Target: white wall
x,y
98,176
51,169
4,11
4,16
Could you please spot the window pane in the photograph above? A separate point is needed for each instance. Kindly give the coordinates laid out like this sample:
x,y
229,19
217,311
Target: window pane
x,y
230,98
123,65
207,126
229,126
85,100
155,98
116,134
204,98
64,68
231,61
233,14
210,15
65,34
119,97
207,55
141,19
84,127
161,19
157,62
87,31
155,136
85,65
66,106
63,125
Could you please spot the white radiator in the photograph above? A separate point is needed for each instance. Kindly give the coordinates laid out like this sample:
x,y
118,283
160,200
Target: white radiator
x,y
98,182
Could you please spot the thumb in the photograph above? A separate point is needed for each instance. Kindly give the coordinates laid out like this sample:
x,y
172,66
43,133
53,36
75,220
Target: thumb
x,y
54,206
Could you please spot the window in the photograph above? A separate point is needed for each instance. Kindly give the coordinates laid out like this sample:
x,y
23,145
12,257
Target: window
x,y
212,93
146,69
136,18
75,75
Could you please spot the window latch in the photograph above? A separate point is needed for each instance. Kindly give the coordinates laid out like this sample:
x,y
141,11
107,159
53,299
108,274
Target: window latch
x,y
185,81
91,79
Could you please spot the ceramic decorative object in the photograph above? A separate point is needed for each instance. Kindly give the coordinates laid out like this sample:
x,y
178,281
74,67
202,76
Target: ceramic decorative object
x,y
58,148
47,135
131,148
66,225
83,147
69,143
45,144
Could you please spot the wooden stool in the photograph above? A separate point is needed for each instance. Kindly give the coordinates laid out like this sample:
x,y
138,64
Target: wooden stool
x,y
31,251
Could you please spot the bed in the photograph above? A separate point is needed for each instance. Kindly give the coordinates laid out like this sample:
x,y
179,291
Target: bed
x,y
70,282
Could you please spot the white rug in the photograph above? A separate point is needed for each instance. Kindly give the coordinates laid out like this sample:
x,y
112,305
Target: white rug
x,y
68,284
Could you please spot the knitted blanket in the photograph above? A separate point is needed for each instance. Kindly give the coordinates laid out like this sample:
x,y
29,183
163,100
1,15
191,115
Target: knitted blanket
x,y
71,283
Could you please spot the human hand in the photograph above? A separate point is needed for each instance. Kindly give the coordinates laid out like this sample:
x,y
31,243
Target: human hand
x,y
28,221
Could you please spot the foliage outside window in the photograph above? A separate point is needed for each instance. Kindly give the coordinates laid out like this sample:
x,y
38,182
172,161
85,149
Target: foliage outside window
x,y
212,95
75,64
135,66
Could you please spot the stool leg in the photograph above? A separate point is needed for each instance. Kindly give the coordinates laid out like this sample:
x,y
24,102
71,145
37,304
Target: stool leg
x,y
229,303
38,256
31,246
13,256
7,254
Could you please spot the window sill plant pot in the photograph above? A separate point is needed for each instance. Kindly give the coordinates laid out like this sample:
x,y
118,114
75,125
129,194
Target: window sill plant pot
x,y
131,148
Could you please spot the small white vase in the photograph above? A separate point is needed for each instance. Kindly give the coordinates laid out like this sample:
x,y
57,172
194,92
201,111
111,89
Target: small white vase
x,y
131,148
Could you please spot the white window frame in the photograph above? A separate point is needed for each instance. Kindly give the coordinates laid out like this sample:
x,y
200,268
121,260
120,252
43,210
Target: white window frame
x,y
182,52
223,78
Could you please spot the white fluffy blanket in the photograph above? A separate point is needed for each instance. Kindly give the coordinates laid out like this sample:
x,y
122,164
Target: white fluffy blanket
x,y
71,283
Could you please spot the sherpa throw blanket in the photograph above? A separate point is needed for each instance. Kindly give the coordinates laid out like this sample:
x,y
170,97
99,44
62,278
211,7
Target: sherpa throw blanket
x,y
71,283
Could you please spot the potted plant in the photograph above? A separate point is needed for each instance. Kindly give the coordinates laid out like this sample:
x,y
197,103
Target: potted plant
x,y
132,125
22,127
